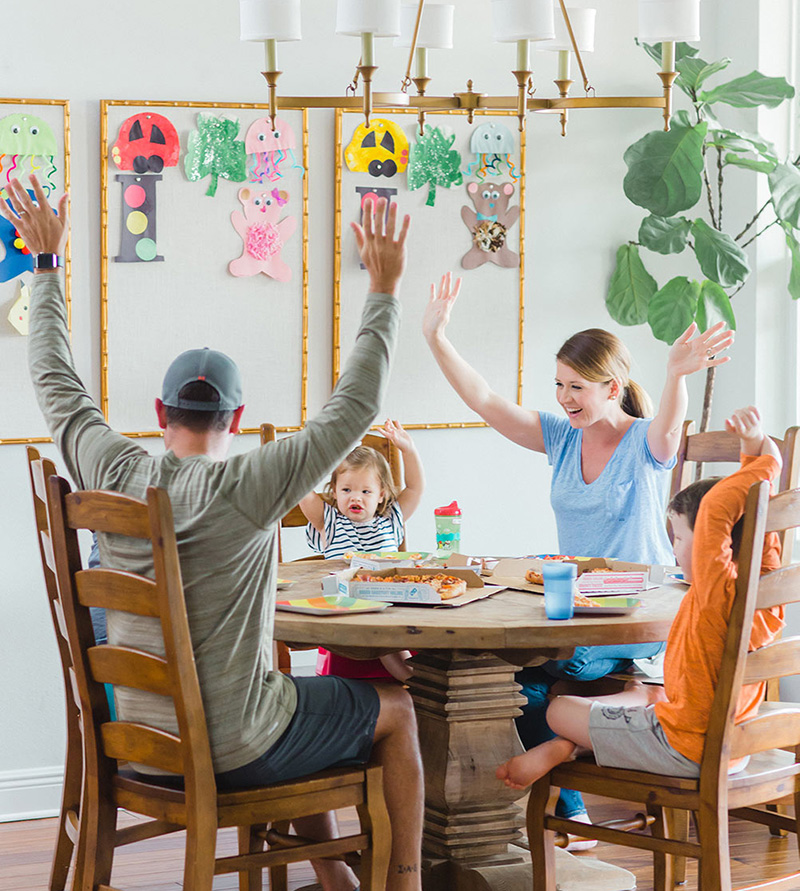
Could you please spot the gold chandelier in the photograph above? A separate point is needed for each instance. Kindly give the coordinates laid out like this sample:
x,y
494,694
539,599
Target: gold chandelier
x,y
420,27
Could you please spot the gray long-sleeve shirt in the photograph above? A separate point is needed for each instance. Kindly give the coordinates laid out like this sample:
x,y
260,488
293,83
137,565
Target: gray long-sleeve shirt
x,y
226,515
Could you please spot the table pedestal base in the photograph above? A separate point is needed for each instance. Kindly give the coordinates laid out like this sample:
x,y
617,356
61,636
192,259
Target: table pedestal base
x,y
465,705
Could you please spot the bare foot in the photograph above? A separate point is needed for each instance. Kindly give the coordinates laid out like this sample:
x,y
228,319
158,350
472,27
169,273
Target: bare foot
x,y
522,770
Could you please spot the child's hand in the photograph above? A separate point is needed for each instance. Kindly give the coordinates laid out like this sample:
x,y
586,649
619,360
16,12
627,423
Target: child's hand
x,y
746,424
394,432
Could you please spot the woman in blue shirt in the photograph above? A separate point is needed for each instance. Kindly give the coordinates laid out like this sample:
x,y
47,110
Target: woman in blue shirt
x,y
609,455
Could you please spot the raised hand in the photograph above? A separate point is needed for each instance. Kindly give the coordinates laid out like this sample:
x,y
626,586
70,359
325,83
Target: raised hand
x,y
383,256
397,435
37,223
746,424
692,353
437,312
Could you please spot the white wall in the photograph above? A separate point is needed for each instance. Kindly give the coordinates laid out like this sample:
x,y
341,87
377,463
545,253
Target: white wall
x,y
87,50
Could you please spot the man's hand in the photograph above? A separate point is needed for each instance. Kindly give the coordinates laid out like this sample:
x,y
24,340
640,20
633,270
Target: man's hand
x,y
384,258
37,223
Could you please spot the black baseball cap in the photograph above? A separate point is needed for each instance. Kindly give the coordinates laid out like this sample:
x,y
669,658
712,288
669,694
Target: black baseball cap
x,y
211,366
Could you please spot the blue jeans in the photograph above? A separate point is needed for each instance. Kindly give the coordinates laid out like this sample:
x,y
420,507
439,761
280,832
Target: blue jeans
x,y
586,664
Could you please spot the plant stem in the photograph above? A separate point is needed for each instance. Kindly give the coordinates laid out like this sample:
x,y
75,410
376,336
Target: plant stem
x,y
752,222
708,191
761,232
719,189
707,397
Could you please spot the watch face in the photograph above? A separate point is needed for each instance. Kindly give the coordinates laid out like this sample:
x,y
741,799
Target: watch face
x,y
47,261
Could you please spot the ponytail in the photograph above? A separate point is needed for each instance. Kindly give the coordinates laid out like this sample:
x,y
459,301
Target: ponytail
x,y
636,402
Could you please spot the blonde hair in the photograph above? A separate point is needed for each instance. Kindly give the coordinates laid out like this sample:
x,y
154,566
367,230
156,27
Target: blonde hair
x,y
600,356
363,457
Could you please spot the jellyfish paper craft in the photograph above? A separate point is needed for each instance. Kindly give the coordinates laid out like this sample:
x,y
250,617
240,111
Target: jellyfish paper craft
x,y
147,143
379,148
267,148
493,145
27,145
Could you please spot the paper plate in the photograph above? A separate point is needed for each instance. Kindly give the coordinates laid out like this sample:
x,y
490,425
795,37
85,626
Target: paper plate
x,y
331,605
610,606
283,584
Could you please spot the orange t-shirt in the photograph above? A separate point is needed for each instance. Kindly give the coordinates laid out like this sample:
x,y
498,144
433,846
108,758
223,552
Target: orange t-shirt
x,y
697,638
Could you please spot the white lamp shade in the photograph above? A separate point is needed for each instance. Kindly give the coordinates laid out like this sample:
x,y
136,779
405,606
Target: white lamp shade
x,y
582,21
523,20
435,28
661,20
269,19
378,17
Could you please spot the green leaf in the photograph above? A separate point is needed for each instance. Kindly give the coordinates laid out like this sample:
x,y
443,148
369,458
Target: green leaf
x,y
794,274
664,236
630,288
664,169
672,309
737,141
714,306
682,50
680,119
750,91
694,71
720,258
784,183
750,163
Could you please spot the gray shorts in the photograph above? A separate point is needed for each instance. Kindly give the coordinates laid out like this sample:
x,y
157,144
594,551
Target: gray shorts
x,y
333,726
633,738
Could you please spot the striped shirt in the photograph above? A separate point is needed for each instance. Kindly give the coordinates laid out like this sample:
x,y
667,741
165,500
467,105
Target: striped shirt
x,y
381,533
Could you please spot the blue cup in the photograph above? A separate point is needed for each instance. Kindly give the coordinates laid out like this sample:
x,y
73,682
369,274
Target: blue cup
x,y
559,578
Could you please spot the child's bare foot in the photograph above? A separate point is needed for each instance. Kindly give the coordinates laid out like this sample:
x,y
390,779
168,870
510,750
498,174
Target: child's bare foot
x,y
522,770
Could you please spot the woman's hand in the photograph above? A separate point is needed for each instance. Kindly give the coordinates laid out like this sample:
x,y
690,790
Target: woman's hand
x,y
437,312
397,435
689,353
37,223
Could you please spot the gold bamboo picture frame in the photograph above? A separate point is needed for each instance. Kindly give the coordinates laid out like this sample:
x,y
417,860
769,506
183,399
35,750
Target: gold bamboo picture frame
x,y
456,197
23,411
221,205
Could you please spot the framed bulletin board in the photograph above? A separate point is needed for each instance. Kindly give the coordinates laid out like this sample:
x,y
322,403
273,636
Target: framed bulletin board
x,y
204,228
34,138
464,185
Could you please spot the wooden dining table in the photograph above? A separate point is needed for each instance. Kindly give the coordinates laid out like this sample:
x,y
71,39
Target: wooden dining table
x,y
466,699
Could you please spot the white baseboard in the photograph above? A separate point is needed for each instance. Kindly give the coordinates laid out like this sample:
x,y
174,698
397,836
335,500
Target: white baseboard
x,y
30,794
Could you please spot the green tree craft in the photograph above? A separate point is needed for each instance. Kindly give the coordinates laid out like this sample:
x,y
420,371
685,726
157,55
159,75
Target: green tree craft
x,y
668,172
433,162
214,151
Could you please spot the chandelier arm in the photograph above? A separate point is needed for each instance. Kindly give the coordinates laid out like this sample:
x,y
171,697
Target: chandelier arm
x,y
406,82
586,85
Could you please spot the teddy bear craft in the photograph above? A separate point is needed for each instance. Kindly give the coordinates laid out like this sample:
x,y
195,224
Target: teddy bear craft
x,y
489,223
262,233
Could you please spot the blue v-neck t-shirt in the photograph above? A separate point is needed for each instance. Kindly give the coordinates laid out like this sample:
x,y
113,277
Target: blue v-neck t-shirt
x,y
621,514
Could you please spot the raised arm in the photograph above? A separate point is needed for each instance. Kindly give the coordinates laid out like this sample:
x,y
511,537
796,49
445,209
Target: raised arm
x,y
411,495
89,446
313,508
687,355
514,422
746,424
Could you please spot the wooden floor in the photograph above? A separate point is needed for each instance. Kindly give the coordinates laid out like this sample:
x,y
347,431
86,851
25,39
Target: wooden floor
x,y
155,865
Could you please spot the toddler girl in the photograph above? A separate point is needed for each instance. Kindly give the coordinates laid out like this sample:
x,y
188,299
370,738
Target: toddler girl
x,y
361,510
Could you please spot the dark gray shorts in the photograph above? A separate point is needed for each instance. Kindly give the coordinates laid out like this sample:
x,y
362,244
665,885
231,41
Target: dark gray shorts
x,y
333,726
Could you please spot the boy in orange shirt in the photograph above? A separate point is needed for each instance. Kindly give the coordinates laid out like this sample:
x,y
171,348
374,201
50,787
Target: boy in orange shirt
x,y
662,730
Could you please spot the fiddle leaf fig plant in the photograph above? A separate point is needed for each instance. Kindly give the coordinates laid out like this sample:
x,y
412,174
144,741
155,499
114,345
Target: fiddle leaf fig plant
x,y
679,178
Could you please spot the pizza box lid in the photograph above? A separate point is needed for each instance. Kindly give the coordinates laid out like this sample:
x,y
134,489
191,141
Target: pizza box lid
x,y
511,571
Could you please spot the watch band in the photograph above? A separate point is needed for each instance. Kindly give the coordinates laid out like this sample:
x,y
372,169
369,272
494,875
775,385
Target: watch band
x,y
47,261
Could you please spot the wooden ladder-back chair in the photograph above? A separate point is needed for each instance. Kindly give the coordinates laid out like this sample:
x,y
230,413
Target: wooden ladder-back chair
x,y
772,739
719,446
296,517
40,470
192,801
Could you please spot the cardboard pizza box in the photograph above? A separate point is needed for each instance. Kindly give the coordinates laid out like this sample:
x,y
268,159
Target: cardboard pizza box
x,y
387,559
410,593
624,577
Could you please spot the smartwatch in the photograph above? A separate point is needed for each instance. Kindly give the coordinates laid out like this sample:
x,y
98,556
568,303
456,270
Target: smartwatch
x,y
47,261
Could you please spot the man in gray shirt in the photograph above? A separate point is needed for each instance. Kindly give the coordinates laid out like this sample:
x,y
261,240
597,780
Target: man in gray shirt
x,y
264,726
